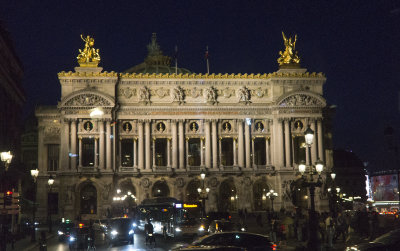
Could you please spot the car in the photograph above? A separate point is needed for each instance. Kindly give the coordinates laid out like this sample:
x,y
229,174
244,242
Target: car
x,y
78,238
388,242
64,230
224,226
120,230
246,241
190,227
99,225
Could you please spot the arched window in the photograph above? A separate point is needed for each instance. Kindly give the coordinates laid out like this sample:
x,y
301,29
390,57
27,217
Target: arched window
x,y
227,196
88,199
260,189
160,189
192,195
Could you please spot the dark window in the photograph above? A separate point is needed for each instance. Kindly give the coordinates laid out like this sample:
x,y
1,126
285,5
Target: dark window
x,y
227,152
259,151
161,152
299,149
127,152
87,152
194,152
52,157
88,199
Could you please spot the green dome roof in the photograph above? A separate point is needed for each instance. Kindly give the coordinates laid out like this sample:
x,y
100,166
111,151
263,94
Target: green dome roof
x,y
156,62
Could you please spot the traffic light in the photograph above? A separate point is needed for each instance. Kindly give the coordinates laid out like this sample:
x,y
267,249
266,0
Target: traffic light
x,y
8,198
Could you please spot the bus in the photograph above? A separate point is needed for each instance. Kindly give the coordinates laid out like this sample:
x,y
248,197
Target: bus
x,y
170,217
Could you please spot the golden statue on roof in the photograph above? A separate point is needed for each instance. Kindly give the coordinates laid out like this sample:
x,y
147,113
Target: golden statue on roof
x,y
289,57
89,56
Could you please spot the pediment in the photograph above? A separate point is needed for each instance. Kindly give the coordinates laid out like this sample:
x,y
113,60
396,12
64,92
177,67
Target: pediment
x,y
302,99
87,99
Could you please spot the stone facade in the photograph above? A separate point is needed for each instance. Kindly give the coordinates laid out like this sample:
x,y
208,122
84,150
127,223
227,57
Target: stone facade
x,y
243,130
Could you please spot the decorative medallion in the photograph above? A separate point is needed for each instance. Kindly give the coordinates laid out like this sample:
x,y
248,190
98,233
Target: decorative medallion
x,y
88,126
161,127
226,127
194,127
127,127
195,92
259,93
145,183
127,92
180,182
228,92
259,126
298,125
161,92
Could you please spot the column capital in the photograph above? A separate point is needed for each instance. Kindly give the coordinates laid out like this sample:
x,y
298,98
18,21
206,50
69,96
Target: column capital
x,y
181,120
80,137
207,120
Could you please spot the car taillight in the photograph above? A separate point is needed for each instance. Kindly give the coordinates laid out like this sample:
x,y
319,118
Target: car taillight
x,y
274,247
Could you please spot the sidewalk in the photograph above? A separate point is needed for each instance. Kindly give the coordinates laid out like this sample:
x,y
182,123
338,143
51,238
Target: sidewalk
x,y
26,244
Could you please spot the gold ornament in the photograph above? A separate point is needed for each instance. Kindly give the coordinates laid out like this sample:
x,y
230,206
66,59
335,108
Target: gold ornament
x,y
289,57
89,56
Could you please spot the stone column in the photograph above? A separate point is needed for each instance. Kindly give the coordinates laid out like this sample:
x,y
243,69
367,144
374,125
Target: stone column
x,y
147,145
154,152
278,143
208,143
220,150
80,152
214,144
108,146
252,147
73,146
314,145
135,152
201,151
288,161
187,151
247,142
96,151
174,144
181,145
64,146
240,143
169,152
234,152
267,156
141,145
320,141
102,144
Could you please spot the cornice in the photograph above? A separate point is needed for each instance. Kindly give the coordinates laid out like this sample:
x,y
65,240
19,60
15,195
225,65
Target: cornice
x,y
221,76
87,74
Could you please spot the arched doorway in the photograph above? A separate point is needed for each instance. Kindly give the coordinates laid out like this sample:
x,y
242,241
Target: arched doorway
x,y
124,200
260,189
192,195
88,199
160,189
227,196
299,194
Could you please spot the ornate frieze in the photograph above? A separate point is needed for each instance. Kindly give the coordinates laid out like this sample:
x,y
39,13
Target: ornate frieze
x,y
301,100
178,95
221,76
127,92
244,95
211,95
144,95
162,92
88,99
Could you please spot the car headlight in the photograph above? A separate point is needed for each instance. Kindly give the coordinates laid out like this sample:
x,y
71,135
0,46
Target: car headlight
x,y
71,238
178,229
201,228
134,224
242,229
114,232
60,233
131,231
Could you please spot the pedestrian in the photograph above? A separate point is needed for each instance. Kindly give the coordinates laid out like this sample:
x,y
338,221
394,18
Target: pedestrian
x,y
330,232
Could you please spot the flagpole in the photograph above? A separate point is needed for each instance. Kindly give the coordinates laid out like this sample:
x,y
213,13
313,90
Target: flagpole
x,y
208,64
176,59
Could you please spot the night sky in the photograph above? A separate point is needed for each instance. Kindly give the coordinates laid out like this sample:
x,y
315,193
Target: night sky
x,y
355,43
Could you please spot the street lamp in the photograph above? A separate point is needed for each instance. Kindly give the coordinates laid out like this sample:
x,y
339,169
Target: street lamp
x,y
50,182
272,194
307,173
6,157
35,174
203,193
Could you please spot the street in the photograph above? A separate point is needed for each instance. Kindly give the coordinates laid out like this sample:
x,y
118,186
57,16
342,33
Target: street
x,y
101,244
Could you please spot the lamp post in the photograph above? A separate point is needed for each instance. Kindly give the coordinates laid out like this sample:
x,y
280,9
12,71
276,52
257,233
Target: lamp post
x,y
203,193
272,195
308,172
50,182
34,174
6,157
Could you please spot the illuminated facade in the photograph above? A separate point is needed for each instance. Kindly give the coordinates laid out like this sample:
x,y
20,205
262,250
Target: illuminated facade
x,y
159,127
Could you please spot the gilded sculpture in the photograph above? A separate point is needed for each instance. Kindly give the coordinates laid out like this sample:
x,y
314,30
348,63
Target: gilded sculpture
x,y
289,57
89,56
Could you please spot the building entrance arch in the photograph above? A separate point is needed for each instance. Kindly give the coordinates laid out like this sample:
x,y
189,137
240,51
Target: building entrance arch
x,y
88,199
192,195
227,196
260,189
160,189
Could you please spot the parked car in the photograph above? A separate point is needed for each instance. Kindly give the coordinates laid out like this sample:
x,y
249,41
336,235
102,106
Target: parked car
x,y
224,226
246,241
120,230
388,242
64,230
78,239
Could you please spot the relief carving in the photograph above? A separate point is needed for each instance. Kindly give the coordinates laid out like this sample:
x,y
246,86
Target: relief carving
x,y
144,94
244,95
301,100
127,92
228,92
195,92
87,100
178,95
210,94
162,92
